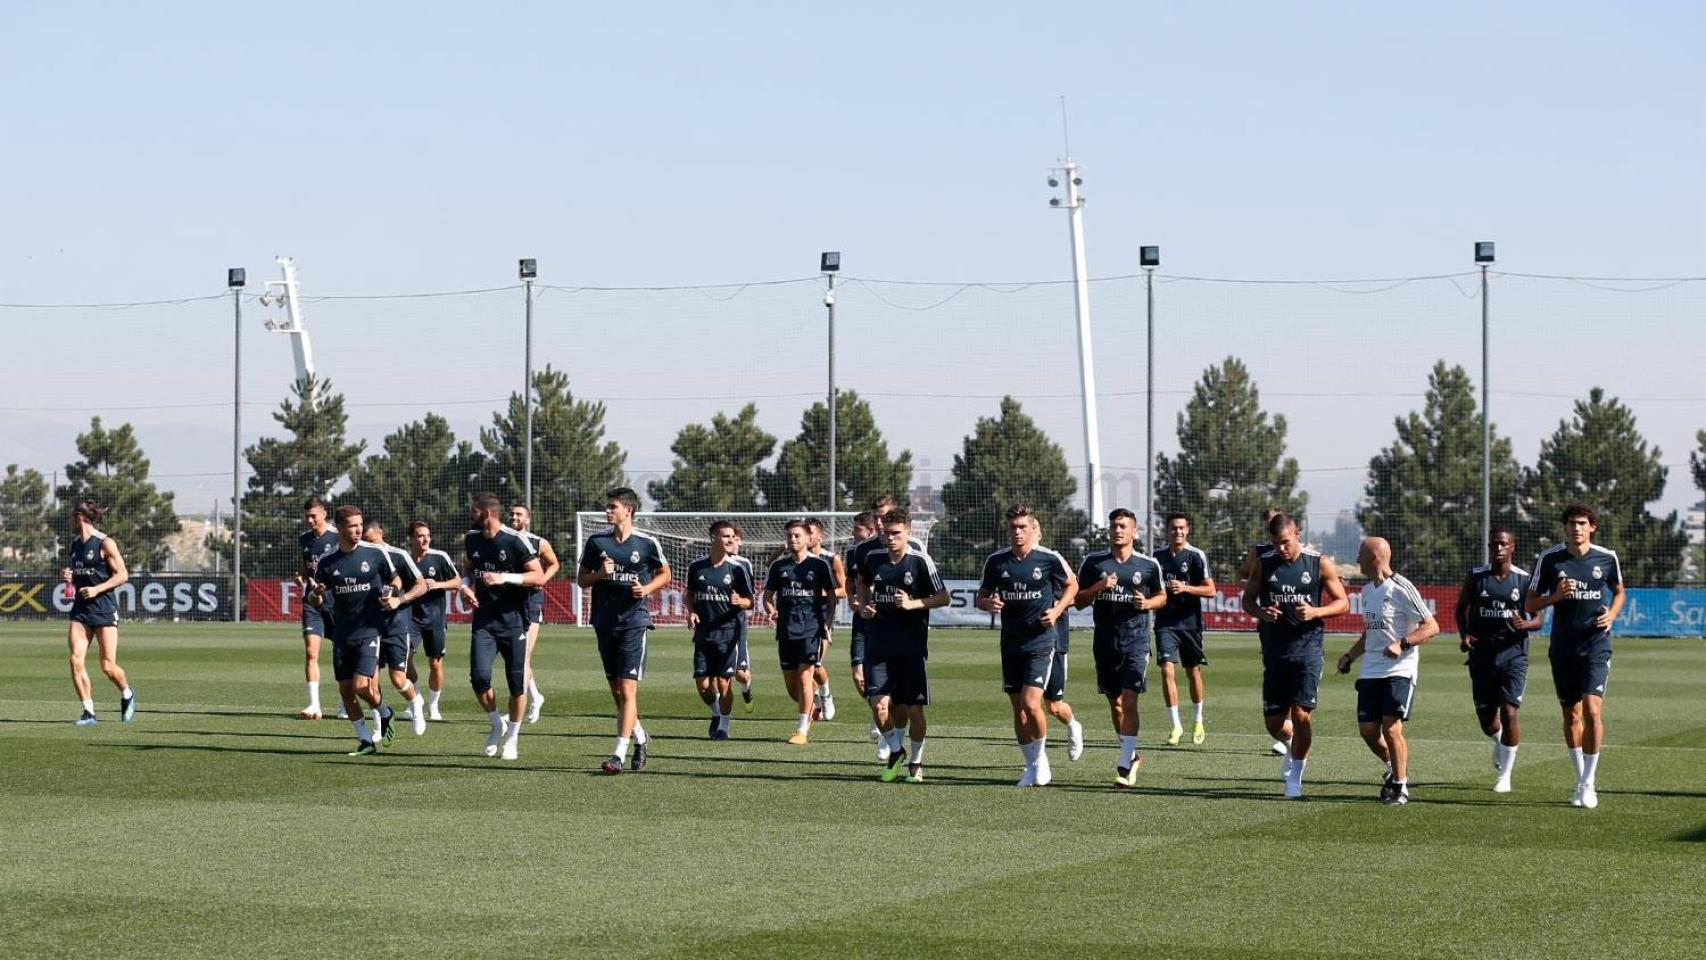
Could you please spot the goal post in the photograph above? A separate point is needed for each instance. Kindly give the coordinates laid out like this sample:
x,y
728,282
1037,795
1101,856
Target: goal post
x,y
685,537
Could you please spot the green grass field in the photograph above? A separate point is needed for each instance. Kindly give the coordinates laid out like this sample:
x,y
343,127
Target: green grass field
x,y
219,826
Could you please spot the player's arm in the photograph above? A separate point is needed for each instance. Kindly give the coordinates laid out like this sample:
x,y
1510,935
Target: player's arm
x,y
740,592
1350,656
1251,566
1333,589
1532,624
938,598
1252,593
445,585
656,583
548,562
1090,586
1068,592
1460,611
1154,592
988,592
838,569
121,573
317,592
1537,601
422,584
467,591
1426,627
1609,617
863,604
1207,588
595,565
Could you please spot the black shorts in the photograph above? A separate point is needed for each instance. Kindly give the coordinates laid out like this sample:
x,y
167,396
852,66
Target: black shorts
x,y
1055,690
1380,697
486,645
716,652
743,659
355,658
535,609
795,654
1180,645
856,644
316,622
103,612
432,639
1494,683
1027,667
394,651
903,678
1119,669
1289,683
1576,677
623,652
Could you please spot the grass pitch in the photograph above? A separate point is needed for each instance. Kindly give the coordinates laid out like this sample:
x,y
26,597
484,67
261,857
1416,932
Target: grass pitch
x,y
219,826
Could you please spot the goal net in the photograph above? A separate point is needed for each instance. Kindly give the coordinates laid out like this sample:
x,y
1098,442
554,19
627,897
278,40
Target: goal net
x,y
685,537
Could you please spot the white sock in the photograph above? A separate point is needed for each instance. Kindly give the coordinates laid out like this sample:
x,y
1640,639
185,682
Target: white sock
x,y
1297,768
804,724
512,733
361,730
533,689
621,751
640,735
407,692
1590,766
823,690
1507,757
896,738
497,720
1173,715
1041,744
89,706
1128,750
432,698
379,714
314,697
1196,712
126,693
1029,752
915,752
1576,761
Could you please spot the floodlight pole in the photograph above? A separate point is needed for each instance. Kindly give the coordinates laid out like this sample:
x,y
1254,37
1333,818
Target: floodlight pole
x,y
527,407
1149,415
829,306
1086,351
235,279
1486,423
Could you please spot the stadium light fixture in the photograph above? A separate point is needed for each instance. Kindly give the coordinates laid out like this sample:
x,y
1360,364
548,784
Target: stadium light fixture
x,y
1149,256
1483,251
830,261
529,268
236,277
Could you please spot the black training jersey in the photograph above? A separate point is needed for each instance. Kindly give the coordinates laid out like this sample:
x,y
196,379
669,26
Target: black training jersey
x,y
638,559
800,586
712,586
1028,586
409,574
314,546
437,566
857,553
1286,584
88,560
1492,606
1120,620
893,630
501,605
1183,610
1595,573
354,582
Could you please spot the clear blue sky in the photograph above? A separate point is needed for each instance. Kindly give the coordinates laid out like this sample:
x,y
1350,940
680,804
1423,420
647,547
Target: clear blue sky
x,y
407,147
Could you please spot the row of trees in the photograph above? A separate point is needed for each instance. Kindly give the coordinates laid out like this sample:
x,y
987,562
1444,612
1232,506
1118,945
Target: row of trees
x,y
1422,491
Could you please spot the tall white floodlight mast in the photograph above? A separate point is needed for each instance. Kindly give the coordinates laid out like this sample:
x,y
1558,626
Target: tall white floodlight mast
x,y
283,294
1067,172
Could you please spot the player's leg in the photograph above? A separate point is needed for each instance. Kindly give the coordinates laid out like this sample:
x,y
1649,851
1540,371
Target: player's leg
x,y
77,646
916,694
804,692
311,673
513,650
723,696
535,696
433,643
394,656
892,723
1276,712
706,684
482,657
1595,674
1054,701
1192,656
1167,652
1392,732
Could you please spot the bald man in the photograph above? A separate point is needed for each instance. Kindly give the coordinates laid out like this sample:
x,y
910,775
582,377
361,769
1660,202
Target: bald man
x,y
1395,621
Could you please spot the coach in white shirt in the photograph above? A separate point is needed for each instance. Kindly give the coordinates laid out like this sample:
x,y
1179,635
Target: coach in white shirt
x,y
1395,621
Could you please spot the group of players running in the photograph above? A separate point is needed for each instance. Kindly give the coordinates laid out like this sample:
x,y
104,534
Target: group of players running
x,y
377,603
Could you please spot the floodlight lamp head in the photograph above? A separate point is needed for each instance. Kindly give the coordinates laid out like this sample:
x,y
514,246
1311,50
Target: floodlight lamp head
x,y
1484,251
528,268
1054,201
1054,181
1078,181
829,261
1149,256
236,277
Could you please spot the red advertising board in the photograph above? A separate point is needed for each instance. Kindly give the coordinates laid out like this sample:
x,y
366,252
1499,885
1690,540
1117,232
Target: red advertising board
x,y
281,600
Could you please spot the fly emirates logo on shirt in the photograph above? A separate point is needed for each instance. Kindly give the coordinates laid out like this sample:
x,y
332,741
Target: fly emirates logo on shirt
x,y
1288,595
349,586
1018,589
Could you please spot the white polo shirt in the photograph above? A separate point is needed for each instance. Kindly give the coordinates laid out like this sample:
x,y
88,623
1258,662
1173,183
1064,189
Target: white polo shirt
x,y
1390,610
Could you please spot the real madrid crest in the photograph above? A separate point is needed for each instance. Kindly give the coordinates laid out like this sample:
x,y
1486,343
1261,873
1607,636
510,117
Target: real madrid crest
x,y
1306,576
634,557
1036,573
364,567
1597,573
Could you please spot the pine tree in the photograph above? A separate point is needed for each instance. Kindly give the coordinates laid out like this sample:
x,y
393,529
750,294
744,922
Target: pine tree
x,y
26,520
1598,457
285,472
863,468
716,467
573,465
1007,459
1231,464
1424,491
422,473
114,473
